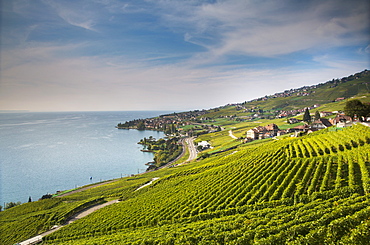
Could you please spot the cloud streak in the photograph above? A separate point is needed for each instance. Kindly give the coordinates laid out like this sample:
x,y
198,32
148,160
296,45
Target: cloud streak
x,y
270,28
72,15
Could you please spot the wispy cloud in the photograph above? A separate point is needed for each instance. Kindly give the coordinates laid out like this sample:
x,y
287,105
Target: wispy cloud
x,y
268,28
74,14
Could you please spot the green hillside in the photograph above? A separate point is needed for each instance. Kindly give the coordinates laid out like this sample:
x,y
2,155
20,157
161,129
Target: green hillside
x,y
310,190
357,85
313,189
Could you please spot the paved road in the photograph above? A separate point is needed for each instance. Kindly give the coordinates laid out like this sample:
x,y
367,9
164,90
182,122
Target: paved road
x,y
192,149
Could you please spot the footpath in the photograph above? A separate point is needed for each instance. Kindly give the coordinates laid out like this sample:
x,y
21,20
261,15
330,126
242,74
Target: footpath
x,y
38,238
232,135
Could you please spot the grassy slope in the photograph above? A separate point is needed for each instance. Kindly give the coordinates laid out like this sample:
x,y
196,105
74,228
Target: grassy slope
x,y
262,194
322,95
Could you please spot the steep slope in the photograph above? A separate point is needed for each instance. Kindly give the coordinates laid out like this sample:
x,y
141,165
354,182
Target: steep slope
x,y
309,189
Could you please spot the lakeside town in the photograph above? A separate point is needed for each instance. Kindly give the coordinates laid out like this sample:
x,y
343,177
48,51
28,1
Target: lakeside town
x,y
198,122
175,124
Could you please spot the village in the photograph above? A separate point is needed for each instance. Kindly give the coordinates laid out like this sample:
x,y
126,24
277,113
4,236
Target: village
x,y
172,123
272,130
321,120
195,123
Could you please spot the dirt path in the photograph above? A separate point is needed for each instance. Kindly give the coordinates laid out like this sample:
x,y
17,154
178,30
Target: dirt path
x,y
232,135
149,183
38,238
88,211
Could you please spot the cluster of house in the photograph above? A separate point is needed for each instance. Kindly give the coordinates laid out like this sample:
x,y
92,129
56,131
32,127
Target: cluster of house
x,y
303,91
307,90
162,121
262,132
282,114
203,145
272,130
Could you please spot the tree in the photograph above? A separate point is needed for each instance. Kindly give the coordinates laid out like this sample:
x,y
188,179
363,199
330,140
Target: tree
x,y
167,129
141,126
12,204
317,115
46,196
307,116
173,128
356,107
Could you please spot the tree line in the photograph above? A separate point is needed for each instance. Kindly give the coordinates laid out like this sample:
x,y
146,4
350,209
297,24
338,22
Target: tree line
x,y
165,150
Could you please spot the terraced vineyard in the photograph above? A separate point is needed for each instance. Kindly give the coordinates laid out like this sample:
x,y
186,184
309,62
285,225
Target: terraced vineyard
x,y
309,190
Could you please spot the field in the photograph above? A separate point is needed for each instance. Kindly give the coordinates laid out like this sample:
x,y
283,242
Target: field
x,y
308,190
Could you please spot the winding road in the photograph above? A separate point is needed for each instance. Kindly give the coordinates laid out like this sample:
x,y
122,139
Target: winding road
x,y
192,150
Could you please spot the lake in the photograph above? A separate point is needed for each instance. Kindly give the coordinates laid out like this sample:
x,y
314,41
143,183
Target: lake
x,y
43,152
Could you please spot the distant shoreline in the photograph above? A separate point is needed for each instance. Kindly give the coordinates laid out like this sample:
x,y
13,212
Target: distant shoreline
x,y
14,111
135,128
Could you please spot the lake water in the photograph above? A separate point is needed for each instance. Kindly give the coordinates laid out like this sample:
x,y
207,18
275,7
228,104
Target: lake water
x,y
43,152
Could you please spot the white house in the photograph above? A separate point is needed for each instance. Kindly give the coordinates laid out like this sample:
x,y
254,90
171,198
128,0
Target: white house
x,y
204,145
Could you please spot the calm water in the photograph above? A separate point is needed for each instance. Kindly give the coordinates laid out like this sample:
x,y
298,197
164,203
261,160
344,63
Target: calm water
x,y
42,153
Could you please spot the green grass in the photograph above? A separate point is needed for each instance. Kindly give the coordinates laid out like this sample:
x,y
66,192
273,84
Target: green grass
x,y
338,106
286,126
188,127
322,95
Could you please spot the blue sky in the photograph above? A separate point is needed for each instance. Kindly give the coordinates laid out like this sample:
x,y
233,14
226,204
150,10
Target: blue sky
x,y
176,55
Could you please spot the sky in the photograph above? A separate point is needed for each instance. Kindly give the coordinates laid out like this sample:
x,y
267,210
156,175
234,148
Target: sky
x,y
117,55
